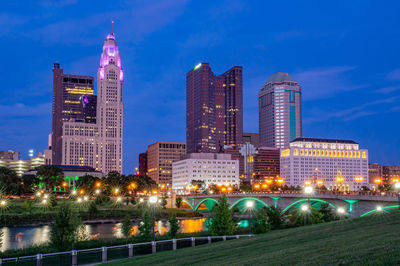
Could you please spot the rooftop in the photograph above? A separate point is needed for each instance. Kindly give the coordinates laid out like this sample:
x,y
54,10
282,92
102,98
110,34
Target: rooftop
x,y
280,77
324,140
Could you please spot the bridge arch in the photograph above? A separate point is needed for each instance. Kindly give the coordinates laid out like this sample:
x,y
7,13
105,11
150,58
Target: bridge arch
x,y
305,200
209,206
384,209
249,198
185,201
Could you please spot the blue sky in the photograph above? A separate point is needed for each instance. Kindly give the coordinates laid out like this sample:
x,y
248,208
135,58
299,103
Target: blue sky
x,y
345,55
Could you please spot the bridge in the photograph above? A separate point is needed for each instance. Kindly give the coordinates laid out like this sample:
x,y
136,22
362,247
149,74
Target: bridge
x,y
356,204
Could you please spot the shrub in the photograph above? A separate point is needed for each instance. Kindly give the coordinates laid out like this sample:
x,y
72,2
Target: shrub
x,y
145,227
261,224
92,208
173,226
178,202
222,223
126,227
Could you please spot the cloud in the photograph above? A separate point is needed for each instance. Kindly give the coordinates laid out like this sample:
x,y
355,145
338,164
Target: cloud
x,y
22,110
394,75
387,90
131,23
325,82
349,114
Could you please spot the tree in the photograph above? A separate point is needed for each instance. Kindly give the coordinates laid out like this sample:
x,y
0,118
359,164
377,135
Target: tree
x,y
261,224
92,208
173,226
178,202
126,227
30,183
326,212
163,202
296,217
222,223
245,186
65,230
145,227
87,182
10,182
201,185
27,205
51,175
275,218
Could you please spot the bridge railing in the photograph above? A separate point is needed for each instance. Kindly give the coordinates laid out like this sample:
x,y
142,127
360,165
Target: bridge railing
x,y
104,254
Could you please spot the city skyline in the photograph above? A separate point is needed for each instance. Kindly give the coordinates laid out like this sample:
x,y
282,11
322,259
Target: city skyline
x,y
350,84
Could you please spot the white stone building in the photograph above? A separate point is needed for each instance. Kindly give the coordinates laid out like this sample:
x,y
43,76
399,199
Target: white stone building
x,y
337,164
212,168
100,145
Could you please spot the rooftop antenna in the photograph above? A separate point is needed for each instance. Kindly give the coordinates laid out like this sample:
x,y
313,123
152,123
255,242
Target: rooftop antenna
x,y
112,27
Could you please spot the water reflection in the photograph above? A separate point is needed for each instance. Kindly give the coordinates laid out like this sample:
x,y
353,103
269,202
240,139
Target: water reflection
x,y
22,237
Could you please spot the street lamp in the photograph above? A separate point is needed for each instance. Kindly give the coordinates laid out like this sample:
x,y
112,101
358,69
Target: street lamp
x,y
341,211
304,208
153,200
379,208
249,207
308,190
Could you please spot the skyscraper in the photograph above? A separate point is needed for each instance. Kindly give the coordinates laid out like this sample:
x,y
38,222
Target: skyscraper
x,y
279,111
67,105
214,109
96,140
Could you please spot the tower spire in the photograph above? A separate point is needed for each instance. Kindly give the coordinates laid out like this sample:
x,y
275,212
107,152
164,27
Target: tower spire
x,y
112,27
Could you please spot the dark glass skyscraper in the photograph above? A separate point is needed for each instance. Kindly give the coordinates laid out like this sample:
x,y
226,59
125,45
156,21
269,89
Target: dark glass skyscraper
x,y
279,111
73,99
214,112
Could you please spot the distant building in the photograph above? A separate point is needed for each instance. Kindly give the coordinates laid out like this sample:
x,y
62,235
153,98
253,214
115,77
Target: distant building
x,y
143,163
375,172
391,174
68,91
214,109
22,166
9,155
96,139
251,138
338,164
212,168
160,156
266,163
279,111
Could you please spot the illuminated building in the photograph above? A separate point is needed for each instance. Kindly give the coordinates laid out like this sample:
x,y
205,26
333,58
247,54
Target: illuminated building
x,y
391,174
160,156
266,163
339,164
375,173
22,166
212,168
279,111
214,109
97,141
67,104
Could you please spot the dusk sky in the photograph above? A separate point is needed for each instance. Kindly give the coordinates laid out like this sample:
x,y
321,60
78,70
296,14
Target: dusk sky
x,y
344,54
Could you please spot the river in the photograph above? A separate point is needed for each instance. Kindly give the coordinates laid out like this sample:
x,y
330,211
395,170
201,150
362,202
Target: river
x,y
26,236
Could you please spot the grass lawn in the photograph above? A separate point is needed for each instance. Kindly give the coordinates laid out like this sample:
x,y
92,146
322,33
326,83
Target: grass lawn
x,y
371,240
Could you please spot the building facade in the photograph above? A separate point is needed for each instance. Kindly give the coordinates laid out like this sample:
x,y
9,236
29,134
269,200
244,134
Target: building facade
x,y
68,91
266,163
336,164
211,168
143,163
251,138
214,109
391,174
9,155
160,156
97,140
22,166
279,111
375,173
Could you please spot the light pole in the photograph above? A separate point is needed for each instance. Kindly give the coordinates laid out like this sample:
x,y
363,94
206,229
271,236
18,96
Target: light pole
x,y
304,208
308,190
249,207
397,186
153,200
341,211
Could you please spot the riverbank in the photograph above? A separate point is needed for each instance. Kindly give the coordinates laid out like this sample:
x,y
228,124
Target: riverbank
x,y
100,216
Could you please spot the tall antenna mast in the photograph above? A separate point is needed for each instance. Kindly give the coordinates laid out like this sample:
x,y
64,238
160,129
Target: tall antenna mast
x,y
112,27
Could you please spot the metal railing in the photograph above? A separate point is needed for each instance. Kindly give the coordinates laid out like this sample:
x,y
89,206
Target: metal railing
x,y
104,254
